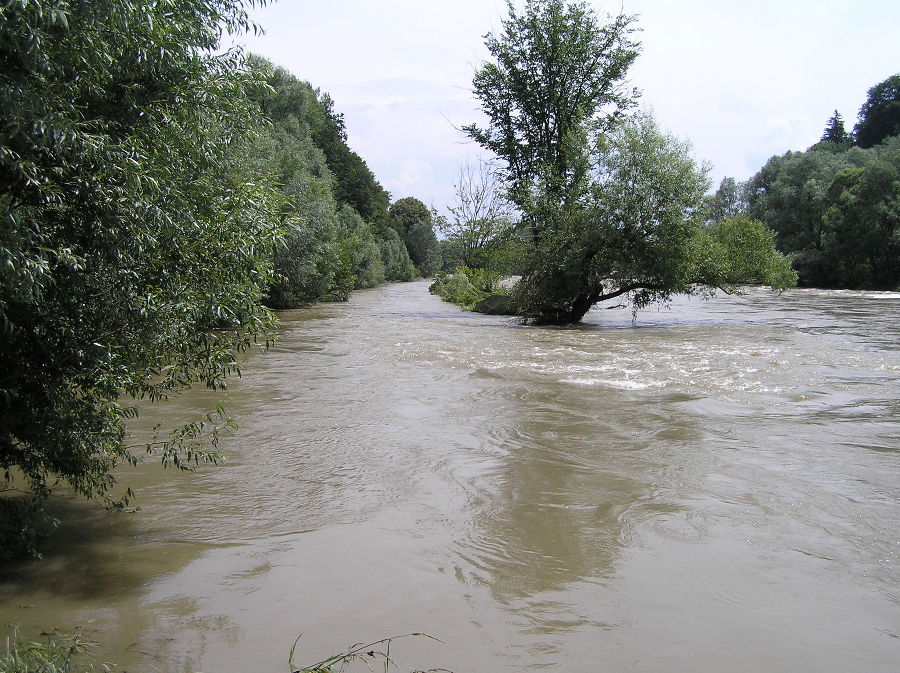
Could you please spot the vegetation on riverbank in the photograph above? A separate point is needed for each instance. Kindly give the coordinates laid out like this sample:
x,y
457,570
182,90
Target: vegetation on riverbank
x,y
158,197
71,653
836,207
55,653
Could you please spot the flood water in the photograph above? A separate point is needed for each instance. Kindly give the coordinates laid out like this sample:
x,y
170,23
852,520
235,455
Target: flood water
x,y
712,487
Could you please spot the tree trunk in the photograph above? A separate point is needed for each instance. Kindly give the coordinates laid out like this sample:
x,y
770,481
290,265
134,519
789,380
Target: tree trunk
x,y
580,306
573,313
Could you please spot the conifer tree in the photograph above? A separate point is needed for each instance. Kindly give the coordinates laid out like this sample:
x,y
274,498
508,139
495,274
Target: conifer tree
x,y
834,130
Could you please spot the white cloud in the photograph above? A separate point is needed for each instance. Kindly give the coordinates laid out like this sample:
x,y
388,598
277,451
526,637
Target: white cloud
x,y
742,81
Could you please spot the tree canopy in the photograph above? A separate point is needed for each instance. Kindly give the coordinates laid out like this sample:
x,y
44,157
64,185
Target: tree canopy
x,y
480,229
834,131
136,230
836,212
554,67
329,248
156,193
879,116
612,205
727,200
355,183
412,220
834,207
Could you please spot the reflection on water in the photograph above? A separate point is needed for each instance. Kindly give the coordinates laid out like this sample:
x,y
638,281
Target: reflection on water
x,y
711,487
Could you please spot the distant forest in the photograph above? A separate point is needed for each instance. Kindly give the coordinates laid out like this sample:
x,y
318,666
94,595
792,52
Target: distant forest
x,y
834,208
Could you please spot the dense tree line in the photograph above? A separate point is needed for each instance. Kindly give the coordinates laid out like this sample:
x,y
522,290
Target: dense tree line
x,y
158,196
336,237
835,208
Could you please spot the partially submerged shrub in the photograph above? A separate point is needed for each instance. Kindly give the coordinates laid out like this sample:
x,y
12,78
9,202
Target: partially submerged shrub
x,y
466,287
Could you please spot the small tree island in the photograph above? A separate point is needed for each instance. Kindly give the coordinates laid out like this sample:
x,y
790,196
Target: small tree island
x,y
610,204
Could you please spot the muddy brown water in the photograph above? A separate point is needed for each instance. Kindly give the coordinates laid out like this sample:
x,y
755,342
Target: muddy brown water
x,y
712,487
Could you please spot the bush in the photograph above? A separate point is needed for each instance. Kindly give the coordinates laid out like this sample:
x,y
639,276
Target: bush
x,y
466,287
59,654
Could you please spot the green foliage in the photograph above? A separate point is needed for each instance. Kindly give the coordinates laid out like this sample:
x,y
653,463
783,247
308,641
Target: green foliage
x,y
480,233
366,654
641,235
834,131
611,208
726,202
306,262
504,256
554,67
62,653
24,522
466,287
57,654
329,249
361,249
739,249
836,213
879,117
355,184
406,213
135,227
397,264
457,289
413,222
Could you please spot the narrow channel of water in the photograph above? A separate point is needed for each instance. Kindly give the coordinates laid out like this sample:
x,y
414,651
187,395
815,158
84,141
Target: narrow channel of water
x,y
712,487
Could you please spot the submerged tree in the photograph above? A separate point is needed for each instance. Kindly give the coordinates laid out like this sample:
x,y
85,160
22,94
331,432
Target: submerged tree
x,y
136,231
611,207
641,234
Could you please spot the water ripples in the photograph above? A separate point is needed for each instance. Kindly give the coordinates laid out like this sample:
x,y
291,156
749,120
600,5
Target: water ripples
x,y
708,478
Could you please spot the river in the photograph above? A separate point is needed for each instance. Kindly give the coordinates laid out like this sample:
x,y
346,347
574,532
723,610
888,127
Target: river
x,y
710,487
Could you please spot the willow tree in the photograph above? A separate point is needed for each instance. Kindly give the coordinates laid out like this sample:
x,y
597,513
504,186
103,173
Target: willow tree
x,y
612,205
640,234
136,233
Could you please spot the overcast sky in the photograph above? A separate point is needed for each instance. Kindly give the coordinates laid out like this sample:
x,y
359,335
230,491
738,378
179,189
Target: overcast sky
x,y
741,80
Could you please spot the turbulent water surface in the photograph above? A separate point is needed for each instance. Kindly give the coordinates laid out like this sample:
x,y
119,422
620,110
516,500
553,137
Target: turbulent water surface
x,y
711,487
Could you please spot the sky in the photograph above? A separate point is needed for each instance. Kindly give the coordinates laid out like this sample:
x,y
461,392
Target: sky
x,y
743,81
